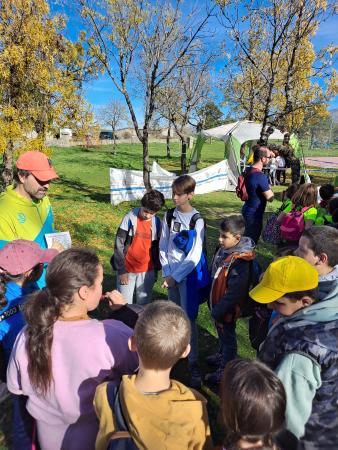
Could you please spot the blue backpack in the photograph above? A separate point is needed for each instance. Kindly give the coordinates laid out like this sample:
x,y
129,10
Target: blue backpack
x,y
121,439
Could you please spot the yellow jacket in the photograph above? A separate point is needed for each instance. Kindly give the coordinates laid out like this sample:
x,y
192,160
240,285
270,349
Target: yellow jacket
x,y
21,218
175,419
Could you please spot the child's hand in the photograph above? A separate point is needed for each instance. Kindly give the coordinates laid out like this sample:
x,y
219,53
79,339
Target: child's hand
x,y
57,245
164,285
124,278
115,298
168,282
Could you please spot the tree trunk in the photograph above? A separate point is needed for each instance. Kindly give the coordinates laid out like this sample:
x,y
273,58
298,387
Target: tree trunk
x,y
184,157
114,142
168,141
7,159
267,106
251,107
146,169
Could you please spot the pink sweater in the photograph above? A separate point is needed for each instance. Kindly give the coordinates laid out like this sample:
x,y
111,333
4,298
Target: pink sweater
x,y
84,354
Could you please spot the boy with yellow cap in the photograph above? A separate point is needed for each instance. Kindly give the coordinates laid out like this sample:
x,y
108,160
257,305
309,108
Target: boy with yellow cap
x,y
302,347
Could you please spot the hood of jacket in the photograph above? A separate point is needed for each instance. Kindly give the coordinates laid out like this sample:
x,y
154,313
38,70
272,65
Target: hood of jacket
x,y
175,417
333,275
245,245
324,310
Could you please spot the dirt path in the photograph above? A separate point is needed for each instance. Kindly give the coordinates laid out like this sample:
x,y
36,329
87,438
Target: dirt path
x,y
328,162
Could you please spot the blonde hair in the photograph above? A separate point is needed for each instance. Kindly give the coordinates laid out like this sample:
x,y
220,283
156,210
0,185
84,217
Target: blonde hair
x,y
162,333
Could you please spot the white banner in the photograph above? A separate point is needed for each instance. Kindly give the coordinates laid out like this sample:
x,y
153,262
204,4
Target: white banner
x,y
127,185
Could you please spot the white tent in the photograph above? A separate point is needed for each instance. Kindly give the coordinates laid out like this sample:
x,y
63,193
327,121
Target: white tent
x,y
242,131
234,135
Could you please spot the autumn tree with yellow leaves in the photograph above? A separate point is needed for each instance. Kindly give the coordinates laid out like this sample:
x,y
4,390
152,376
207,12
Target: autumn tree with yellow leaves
x,y
40,78
276,76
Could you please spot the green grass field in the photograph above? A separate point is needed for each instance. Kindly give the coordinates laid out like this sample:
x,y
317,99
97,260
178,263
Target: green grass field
x,y
81,204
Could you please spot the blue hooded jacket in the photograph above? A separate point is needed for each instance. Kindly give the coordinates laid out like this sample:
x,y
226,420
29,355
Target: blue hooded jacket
x,y
198,280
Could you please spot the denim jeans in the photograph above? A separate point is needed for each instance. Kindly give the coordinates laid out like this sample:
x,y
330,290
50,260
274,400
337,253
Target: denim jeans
x,y
178,295
253,226
140,284
228,341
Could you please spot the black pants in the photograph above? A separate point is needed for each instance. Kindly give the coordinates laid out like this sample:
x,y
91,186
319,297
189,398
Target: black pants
x,y
281,173
253,227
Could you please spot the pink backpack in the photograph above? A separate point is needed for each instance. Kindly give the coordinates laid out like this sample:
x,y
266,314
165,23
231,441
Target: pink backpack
x,y
293,225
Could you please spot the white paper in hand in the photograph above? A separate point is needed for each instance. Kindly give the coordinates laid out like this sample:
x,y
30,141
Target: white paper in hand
x,y
63,238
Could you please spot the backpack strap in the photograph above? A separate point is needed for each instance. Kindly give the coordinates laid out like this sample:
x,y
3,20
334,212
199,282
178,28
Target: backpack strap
x,y
224,273
229,261
158,227
251,170
120,435
169,217
115,405
193,220
130,227
302,210
247,256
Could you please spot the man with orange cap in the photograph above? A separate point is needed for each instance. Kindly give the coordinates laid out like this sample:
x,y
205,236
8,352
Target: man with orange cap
x,y
25,210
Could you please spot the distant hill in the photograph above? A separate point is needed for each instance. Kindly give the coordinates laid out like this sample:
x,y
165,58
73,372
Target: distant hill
x,y
334,115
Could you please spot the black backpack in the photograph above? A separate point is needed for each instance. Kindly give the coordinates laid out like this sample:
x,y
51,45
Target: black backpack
x,y
121,439
192,224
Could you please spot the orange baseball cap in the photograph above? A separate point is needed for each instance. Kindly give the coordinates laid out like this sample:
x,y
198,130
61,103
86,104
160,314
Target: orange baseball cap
x,y
38,164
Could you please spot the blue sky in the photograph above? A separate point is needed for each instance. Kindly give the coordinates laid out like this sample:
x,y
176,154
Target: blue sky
x,y
98,92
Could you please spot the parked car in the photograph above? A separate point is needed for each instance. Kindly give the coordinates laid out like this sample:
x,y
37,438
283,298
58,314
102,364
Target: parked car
x,y
107,135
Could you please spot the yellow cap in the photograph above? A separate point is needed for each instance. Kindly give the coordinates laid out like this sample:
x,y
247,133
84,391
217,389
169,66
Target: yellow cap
x,y
287,274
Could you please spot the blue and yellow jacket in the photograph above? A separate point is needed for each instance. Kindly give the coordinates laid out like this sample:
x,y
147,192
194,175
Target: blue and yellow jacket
x,y
21,218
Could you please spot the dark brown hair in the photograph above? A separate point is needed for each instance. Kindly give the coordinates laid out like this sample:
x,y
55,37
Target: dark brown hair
x,y
333,205
233,224
323,239
326,191
253,403
298,295
153,200
162,333
305,196
259,153
5,277
68,271
185,184
335,216
291,190
21,172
